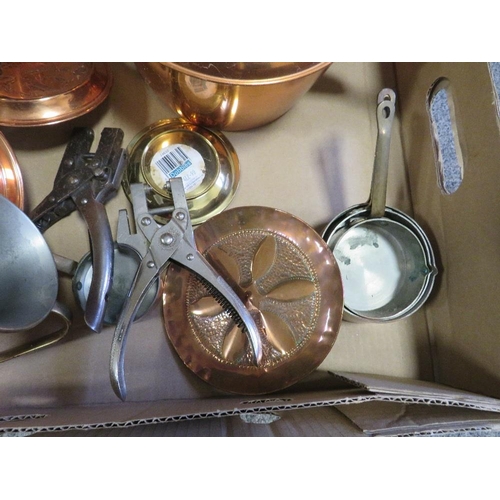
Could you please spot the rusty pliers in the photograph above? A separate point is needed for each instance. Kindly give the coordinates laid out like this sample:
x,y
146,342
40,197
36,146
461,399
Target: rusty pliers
x,y
85,181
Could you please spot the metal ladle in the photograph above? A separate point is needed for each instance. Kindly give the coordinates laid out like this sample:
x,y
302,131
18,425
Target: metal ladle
x,y
385,258
28,281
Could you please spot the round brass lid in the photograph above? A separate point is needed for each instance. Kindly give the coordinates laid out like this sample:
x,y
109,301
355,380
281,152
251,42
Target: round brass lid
x,y
204,159
34,94
11,182
287,277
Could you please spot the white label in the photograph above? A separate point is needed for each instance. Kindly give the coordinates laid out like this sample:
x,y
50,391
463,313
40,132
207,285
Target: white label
x,y
178,160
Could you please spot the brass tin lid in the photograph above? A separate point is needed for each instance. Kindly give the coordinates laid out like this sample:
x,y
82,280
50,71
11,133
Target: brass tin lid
x,y
287,277
204,159
34,94
11,182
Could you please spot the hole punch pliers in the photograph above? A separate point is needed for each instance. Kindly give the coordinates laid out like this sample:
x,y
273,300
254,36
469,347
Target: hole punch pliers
x,y
85,181
173,241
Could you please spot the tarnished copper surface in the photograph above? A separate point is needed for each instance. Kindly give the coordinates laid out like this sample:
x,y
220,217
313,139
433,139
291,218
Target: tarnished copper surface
x,y
33,94
11,181
287,277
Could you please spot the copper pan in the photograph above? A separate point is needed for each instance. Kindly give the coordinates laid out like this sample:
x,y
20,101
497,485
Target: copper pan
x,y
231,95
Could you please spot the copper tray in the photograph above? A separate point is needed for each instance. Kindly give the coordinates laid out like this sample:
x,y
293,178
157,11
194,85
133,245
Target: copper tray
x,y
33,94
11,182
289,280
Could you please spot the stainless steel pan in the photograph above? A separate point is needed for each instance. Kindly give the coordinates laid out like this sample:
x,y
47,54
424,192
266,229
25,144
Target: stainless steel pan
x,y
386,260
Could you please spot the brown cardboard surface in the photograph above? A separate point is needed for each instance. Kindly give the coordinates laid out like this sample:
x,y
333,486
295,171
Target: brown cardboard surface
x,y
463,317
313,162
313,422
402,419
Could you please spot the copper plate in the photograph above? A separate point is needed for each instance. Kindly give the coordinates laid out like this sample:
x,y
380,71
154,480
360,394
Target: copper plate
x,y
33,94
287,277
11,182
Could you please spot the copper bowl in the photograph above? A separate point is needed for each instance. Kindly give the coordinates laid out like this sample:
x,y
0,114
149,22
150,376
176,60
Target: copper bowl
x,y
231,96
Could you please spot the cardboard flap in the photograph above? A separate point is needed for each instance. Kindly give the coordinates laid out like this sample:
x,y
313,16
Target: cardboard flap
x,y
418,391
389,419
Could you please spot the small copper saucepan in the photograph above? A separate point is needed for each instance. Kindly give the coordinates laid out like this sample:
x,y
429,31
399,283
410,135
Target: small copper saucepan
x,y
386,260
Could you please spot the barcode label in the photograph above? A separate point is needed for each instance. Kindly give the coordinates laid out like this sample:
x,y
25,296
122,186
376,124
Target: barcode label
x,y
178,160
173,163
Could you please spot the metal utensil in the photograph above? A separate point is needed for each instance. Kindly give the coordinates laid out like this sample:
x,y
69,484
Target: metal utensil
x,y
85,182
129,250
172,242
386,260
28,283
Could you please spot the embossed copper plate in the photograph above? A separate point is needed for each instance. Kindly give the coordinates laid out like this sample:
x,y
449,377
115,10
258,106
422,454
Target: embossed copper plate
x,y
11,181
34,94
287,277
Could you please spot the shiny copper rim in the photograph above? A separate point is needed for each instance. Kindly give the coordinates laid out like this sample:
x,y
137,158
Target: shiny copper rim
x,y
247,379
11,181
235,81
65,106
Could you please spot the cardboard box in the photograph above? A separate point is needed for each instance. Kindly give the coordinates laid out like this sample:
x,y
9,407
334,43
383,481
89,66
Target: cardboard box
x,y
435,372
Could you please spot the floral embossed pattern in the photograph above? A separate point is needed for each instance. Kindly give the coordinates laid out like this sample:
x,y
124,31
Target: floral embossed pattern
x,y
288,280
279,287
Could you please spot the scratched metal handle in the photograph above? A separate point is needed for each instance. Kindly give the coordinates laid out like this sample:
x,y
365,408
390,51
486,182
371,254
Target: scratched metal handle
x,y
143,279
385,118
101,241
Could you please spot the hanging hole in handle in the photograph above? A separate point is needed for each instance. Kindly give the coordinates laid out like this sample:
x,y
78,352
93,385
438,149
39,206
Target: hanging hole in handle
x,y
386,112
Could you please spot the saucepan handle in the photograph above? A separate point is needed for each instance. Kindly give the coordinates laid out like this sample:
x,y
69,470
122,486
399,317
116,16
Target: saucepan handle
x,y
385,117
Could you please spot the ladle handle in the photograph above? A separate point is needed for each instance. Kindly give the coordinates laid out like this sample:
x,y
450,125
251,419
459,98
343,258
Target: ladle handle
x,y
386,104
64,315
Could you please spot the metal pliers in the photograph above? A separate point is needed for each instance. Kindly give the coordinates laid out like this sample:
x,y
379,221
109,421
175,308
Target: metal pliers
x,y
85,182
173,241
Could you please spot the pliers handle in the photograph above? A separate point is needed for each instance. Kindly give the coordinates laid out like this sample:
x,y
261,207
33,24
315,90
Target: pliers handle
x,y
172,242
85,181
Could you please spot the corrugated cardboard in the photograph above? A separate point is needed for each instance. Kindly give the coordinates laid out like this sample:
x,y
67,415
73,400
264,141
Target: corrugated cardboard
x,y
313,162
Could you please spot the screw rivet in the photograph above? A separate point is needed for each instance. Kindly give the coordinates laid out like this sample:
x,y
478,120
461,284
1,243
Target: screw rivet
x,y
167,239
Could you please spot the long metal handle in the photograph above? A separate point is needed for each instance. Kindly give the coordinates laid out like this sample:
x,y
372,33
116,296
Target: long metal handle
x,y
101,240
385,117
144,278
